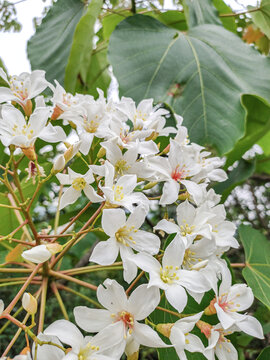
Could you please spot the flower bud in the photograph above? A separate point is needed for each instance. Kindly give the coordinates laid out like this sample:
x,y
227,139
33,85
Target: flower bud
x,y
72,150
56,112
59,164
134,356
101,153
205,328
183,196
211,310
150,185
2,306
29,303
165,329
28,107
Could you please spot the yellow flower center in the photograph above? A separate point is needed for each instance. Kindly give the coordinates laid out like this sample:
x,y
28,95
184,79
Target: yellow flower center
x,y
118,193
79,184
85,352
121,167
169,274
123,235
186,229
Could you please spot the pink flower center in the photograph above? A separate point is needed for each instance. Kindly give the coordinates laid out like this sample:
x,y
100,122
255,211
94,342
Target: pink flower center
x,y
178,174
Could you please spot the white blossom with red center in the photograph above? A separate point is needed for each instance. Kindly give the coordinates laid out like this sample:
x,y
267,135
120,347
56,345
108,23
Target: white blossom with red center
x,y
232,299
121,315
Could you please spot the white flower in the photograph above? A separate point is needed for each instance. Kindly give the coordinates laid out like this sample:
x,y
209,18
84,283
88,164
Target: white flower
x,y
177,169
121,318
124,236
181,338
14,129
170,277
236,298
121,193
78,184
23,87
192,222
126,163
83,348
41,253
219,345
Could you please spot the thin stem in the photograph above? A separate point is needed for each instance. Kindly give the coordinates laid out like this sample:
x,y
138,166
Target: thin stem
x,y
57,215
72,291
70,278
42,304
22,290
72,241
134,282
241,13
60,301
172,312
236,265
92,268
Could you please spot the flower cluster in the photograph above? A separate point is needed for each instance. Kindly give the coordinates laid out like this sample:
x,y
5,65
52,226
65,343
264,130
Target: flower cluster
x,y
129,167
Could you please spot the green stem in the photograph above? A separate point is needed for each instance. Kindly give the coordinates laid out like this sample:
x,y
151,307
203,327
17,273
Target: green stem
x,y
72,291
60,301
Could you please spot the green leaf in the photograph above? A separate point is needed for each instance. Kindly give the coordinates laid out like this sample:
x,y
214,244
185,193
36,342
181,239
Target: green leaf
x,y
237,176
263,164
200,12
82,46
261,18
265,143
227,21
209,66
264,354
257,124
257,270
49,47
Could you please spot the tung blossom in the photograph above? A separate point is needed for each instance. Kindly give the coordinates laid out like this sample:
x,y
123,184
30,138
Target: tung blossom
x,y
83,348
78,184
124,236
14,129
121,316
23,88
169,276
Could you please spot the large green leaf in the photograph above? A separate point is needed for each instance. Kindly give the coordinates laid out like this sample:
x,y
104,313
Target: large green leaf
x,y
257,124
237,176
82,46
200,12
263,164
264,354
261,18
227,21
265,143
257,270
208,63
49,47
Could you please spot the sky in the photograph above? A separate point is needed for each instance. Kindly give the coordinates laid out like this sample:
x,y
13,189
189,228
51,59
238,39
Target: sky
x,y
13,45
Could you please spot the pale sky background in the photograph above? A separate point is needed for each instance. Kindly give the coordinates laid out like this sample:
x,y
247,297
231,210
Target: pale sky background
x,y
13,45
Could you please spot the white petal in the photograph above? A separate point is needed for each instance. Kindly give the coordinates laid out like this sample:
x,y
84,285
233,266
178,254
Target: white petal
x,y
177,297
226,352
92,195
66,332
2,306
130,268
45,351
137,217
225,319
194,343
167,226
143,301
112,296
69,197
174,253
38,254
251,326
145,241
112,220
92,320
146,262
170,192
146,336
105,252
